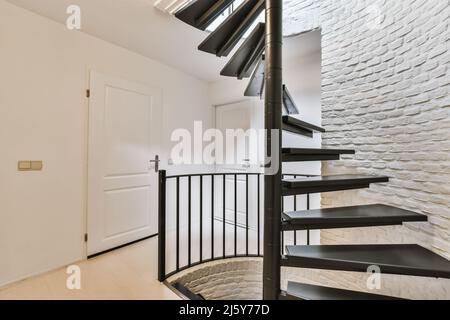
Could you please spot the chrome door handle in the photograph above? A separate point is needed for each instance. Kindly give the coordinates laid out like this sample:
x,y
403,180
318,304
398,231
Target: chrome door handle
x,y
156,162
246,163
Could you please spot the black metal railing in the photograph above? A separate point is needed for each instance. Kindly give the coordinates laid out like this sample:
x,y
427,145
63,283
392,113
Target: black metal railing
x,y
185,198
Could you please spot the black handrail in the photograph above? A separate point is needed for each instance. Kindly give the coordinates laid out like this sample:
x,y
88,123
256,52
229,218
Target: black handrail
x,y
191,180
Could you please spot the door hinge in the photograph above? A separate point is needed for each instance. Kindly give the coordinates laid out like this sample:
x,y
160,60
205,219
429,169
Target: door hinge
x,y
85,237
88,93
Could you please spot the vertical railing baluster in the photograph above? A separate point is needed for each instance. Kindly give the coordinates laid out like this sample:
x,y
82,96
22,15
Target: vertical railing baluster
x,y
259,213
246,215
178,225
307,208
235,215
189,219
282,232
223,217
201,218
295,209
212,217
162,226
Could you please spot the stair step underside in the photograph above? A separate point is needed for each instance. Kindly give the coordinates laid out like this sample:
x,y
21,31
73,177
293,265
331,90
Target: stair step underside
x,y
200,14
255,87
297,126
301,291
244,61
349,217
302,154
288,102
222,40
329,183
403,259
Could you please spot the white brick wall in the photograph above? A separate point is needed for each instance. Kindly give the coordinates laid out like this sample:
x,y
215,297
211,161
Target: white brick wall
x,y
300,16
241,279
386,93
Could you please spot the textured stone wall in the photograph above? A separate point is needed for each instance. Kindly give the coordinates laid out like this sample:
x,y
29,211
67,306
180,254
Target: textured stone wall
x,y
241,279
385,93
300,16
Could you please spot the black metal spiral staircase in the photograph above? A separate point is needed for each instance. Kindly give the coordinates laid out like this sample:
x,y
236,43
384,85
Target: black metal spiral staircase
x,y
259,57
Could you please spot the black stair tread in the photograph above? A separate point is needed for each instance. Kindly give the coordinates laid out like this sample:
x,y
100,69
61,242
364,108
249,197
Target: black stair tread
x,y
345,217
200,14
297,126
255,87
302,154
320,184
247,56
344,179
222,40
301,291
288,102
296,122
186,292
406,259
296,151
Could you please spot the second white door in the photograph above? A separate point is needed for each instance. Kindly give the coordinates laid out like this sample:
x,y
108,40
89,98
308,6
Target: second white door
x,y
243,115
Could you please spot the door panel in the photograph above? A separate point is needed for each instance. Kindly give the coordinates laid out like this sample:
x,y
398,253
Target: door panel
x,y
242,115
124,135
127,132
124,210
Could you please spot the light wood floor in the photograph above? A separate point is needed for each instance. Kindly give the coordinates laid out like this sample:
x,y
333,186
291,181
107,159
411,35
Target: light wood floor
x,y
127,273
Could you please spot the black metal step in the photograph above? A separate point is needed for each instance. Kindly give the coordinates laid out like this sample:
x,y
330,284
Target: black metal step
x,y
295,125
201,13
301,291
247,56
329,183
255,87
301,154
222,40
349,217
405,259
288,102
186,292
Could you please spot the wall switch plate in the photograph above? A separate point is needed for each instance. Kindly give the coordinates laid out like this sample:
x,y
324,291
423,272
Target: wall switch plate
x,y
24,165
27,165
36,165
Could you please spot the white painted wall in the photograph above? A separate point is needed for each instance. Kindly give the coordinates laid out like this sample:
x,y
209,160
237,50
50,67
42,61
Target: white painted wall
x,y
43,116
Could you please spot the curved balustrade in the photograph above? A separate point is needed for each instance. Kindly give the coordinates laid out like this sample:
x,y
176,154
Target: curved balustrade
x,y
212,216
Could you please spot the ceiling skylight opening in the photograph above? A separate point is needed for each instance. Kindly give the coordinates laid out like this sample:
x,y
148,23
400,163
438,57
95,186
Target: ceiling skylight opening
x,y
228,12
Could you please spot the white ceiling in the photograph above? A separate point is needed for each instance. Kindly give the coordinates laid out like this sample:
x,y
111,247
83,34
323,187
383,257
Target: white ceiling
x,y
140,27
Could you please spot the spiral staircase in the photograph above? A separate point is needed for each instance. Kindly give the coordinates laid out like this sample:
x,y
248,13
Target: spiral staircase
x,y
258,58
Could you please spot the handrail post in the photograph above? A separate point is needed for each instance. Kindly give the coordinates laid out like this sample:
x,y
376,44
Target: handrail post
x,y
162,226
272,183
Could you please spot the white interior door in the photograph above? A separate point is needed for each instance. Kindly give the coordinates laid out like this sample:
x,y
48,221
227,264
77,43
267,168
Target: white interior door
x,y
124,136
242,115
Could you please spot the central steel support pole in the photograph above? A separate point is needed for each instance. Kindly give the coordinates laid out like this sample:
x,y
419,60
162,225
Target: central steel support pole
x,y
272,182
